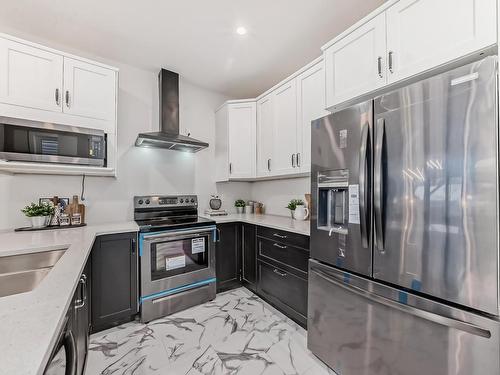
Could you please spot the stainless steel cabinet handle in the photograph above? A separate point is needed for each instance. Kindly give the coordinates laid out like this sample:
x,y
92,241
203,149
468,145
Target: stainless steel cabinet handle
x,y
293,160
379,65
378,190
218,234
279,246
298,159
58,100
278,235
391,63
363,177
277,272
230,168
134,243
67,98
70,348
79,303
269,165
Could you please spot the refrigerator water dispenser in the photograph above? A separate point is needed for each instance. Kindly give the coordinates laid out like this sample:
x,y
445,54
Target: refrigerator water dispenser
x,y
333,187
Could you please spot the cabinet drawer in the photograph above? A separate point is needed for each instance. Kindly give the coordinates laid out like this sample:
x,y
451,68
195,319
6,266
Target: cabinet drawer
x,y
287,238
285,291
290,255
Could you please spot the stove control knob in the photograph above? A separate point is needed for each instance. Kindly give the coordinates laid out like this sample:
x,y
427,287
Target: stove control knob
x,y
140,201
192,200
147,201
182,200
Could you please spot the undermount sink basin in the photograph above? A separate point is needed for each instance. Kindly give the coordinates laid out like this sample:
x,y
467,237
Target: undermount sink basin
x,y
22,273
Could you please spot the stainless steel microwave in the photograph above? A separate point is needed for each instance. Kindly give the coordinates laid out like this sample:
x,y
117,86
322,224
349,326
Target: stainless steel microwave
x,y
30,141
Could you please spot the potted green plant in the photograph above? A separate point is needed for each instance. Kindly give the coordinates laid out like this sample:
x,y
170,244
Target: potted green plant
x,y
39,214
240,205
292,205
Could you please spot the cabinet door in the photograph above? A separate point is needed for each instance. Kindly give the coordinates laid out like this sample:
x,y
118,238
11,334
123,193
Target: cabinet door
x,y
82,319
227,259
265,129
242,128
422,34
221,145
30,77
114,280
310,106
89,90
355,65
285,130
249,256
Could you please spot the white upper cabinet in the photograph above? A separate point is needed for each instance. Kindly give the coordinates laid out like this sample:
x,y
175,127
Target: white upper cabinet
x,y
310,106
89,90
422,34
355,65
40,84
265,135
285,129
30,77
235,131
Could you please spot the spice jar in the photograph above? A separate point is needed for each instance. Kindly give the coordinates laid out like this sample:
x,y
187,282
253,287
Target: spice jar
x,y
76,219
64,220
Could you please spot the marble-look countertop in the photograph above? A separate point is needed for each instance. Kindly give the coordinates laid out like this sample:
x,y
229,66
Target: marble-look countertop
x,y
272,221
30,322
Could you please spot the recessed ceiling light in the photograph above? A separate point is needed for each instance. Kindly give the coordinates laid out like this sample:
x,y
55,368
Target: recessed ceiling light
x,y
241,30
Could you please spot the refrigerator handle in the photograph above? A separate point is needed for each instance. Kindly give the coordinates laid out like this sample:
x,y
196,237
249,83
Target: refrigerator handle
x,y
378,189
363,191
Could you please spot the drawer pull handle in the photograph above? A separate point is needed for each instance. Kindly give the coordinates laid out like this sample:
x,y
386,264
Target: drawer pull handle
x,y
282,274
278,235
280,246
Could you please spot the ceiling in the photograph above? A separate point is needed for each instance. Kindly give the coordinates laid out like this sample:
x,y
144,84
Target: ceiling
x,y
196,38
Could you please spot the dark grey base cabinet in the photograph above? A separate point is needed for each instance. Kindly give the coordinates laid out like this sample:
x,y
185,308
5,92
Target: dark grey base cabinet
x,y
248,257
227,257
283,270
269,262
114,280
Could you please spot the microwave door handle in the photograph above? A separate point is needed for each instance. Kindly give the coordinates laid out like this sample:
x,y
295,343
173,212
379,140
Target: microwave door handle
x,y
363,191
378,189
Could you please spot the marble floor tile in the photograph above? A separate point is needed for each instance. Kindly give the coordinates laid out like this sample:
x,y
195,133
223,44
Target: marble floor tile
x,y
237,333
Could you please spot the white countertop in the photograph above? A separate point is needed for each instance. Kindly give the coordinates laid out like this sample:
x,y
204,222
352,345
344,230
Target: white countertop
x,y
30,322
271,221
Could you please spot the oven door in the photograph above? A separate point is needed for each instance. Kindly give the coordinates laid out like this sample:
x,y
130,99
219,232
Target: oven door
x,y
176,260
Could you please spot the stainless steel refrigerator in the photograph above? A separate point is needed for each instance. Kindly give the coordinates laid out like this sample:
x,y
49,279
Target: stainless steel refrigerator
x,y
404,275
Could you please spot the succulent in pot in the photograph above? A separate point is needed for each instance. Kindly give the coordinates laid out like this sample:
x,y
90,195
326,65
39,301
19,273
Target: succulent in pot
x,y
292,205
39,214
240,205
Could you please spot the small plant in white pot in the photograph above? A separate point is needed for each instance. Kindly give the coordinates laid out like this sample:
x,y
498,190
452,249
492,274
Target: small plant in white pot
x,y
39,214
240,205
292,205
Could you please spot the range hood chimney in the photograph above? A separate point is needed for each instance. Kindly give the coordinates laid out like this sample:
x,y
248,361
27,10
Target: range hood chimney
x,y
168,137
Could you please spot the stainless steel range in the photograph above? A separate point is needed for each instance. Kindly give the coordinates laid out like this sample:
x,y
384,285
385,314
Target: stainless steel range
x,y
177,254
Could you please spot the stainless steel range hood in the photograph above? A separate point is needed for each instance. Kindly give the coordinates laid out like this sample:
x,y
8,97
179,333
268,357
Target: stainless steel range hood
x,y
168,137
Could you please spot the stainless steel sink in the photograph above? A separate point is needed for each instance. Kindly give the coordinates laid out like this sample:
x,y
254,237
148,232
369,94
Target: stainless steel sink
x,y
22,273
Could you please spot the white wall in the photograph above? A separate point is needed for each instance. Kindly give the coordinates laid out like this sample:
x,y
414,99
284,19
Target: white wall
x,y
140,170
275,194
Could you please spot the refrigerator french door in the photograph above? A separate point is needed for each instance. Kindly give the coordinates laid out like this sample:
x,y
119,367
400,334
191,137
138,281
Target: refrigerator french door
x,y
340,186
423,295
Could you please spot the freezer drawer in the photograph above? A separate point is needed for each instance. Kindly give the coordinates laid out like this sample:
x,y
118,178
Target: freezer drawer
x,y
357,332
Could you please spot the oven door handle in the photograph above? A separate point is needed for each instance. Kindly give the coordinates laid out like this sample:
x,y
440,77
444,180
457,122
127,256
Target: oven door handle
x,y
176,233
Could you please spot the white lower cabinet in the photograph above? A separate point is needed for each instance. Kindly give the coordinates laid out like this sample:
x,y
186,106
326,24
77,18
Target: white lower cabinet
x,y
422,34
235,141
